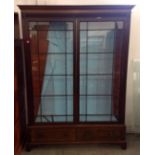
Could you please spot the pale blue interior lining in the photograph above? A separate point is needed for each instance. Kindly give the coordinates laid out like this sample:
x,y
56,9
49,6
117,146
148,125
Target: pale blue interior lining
x,y
62,42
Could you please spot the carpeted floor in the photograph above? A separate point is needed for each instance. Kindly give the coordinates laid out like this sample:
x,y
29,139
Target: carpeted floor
x,y
132,140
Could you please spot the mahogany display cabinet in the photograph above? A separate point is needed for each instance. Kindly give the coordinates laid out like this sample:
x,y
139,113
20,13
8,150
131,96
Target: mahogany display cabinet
x,y
76,69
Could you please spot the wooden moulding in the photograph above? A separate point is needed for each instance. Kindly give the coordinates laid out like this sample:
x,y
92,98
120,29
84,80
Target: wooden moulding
x,y
73,11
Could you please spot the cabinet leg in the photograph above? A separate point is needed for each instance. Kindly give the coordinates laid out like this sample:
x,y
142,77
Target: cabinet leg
x,y
124,146
28,147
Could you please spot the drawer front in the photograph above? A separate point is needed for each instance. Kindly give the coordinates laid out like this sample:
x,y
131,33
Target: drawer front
x,y
52,135
100,134
76,134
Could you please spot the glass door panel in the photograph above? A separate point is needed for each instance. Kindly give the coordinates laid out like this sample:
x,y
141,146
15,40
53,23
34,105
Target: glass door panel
x,y
96,71
52,70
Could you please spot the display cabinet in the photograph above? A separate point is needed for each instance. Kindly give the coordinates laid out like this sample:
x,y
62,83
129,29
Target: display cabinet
x,y
76,66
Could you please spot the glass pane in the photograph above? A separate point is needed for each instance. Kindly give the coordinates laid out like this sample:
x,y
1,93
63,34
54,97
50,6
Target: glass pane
x,y
101,25
95,85
51,26
96,108
96,41
120,24
57,85
54,109
56,64
98,118
97,25
57,38
96,63
52,70
46,40
96,71
100,105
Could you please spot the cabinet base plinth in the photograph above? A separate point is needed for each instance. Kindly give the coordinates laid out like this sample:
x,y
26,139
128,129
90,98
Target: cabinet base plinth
x,y
76,134
28,147
124,146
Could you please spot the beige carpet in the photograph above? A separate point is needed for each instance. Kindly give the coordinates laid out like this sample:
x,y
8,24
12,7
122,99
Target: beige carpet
x,y
133,149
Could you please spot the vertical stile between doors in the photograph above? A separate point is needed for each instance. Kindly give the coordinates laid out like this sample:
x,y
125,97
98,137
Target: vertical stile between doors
x,y
76,87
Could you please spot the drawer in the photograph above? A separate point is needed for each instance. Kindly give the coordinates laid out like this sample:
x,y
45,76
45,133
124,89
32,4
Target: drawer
x,y
52,135
100,134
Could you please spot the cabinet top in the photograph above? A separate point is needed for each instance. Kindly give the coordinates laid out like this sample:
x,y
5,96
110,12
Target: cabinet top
x,y
75,9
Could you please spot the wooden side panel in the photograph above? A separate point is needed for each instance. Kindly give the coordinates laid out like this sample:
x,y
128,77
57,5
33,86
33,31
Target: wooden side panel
x,y
19,102
16,26
16,107
17,142
17,136
17,129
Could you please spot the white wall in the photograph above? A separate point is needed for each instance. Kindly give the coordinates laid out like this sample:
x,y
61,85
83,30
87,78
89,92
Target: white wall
x,y
133,90
133,79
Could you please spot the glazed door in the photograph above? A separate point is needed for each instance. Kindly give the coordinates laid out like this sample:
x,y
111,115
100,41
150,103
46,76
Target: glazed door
x,y
100,52
76,67
52,71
